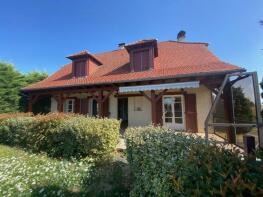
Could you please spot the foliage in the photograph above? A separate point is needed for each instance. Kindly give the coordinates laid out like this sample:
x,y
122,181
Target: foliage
x,y
243,106
166,163
27,174
11,82
62,135
110,177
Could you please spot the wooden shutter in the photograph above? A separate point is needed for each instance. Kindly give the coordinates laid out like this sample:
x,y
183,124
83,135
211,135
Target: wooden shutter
x,y
190,112
77,106
105,108
80,69
137,61
84,106
145,60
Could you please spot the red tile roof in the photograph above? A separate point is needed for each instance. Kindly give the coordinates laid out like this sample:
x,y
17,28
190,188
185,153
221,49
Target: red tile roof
x,y
175,59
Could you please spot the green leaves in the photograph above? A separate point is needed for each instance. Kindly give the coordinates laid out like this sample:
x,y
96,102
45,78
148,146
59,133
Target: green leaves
x,y
61,135
167,163
11,82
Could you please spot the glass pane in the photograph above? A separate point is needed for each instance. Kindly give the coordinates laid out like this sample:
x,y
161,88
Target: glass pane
x,y
178,114
168,100
177,107
168,120
168,110
177,99
178,120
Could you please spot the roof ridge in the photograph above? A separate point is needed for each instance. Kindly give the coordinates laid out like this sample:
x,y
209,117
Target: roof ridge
x,y
180,42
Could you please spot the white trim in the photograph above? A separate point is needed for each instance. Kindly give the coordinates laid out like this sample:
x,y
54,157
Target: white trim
x,y
189,84
66,106
174,125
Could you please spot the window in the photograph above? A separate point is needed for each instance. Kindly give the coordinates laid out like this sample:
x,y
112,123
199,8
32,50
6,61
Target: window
x,y
69,105
141,60
80,68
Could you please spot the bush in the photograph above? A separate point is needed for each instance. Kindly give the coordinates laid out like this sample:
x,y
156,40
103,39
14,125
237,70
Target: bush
x,y
62,135
6,116
165,163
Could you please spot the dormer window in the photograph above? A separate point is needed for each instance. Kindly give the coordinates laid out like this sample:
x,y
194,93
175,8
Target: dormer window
x,y
83,64
80,68
142,54
141,60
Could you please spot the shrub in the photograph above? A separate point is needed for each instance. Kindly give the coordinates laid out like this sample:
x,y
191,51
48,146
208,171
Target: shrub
x,y
6,116
166,163
62,135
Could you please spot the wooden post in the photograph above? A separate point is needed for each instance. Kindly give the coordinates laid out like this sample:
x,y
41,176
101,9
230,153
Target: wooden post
x,y
100,102
30,105
154,111
31,101
60,101
154,98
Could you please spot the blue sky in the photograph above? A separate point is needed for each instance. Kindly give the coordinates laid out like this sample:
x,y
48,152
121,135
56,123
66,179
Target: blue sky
x,y
37,35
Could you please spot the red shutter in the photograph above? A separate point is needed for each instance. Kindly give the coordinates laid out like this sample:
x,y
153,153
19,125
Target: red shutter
x,y
145,59
105,108
137,61
84,106
190,112
80,69
77,106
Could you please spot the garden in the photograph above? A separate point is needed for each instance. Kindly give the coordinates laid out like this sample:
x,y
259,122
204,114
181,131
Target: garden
x,y
72,155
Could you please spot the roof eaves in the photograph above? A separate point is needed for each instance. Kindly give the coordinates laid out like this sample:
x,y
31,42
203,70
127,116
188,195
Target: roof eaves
x,y
200,74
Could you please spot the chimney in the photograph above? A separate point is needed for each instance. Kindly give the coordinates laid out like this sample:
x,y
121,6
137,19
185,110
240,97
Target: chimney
x,y
181,36
121,45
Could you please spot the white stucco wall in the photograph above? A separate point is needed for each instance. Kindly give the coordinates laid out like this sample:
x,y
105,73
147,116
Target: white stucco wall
x,y
203,104
53,107
139,108
139,111
113,107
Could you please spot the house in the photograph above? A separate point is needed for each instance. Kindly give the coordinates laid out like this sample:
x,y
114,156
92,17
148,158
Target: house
x,y
169,83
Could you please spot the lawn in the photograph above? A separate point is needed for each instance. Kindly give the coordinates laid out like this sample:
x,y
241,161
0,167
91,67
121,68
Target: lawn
x,y
27,174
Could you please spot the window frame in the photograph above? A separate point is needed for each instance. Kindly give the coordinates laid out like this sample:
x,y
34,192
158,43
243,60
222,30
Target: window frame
x,y
150,51
66,103
75,62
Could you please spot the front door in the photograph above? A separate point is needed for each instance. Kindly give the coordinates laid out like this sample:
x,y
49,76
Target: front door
x,y
173,112
123,112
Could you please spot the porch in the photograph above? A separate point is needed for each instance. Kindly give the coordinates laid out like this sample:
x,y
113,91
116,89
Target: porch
x,y
177,108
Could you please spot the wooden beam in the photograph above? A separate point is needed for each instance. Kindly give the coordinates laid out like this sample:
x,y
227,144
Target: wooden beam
x,y
154,108
107,96
146,96
160,94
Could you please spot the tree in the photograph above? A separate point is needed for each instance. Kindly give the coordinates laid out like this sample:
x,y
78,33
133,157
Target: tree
x,y
11,82
242,106
41,105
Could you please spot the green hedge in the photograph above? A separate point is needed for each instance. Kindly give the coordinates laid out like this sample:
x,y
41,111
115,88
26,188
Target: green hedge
x,y
168,164
61,135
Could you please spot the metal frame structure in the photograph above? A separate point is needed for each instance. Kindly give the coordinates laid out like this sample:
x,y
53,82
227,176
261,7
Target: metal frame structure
x,y
259,125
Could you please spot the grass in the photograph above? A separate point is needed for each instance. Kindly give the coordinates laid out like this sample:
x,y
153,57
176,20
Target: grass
x,y
28,174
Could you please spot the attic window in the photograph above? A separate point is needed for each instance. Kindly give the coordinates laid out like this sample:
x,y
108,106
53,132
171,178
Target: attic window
x,y
80,68
141,60
83,64
142,54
